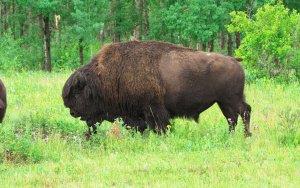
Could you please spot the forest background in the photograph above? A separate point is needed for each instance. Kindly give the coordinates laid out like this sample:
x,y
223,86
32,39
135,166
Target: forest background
x,y
64,34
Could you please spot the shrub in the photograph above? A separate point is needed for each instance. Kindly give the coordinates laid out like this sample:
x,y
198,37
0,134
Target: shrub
x,y
14,54
271,40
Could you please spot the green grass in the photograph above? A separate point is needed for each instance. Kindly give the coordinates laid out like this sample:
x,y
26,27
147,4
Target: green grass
x,y
41,145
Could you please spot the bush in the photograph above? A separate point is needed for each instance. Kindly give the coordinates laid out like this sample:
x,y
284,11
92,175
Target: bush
x,y
289,128
271,42
24,54
14,54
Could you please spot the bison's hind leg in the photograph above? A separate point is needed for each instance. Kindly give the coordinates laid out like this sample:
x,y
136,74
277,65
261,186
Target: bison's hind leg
x,y
91,129
234,107
245,113
157,117
230,111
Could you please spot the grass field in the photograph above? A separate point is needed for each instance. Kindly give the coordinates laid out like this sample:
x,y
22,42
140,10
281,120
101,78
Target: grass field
x,y
41,145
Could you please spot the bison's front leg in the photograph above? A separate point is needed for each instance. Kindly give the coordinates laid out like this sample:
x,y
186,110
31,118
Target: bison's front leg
x,y
157,117
91,128
135,123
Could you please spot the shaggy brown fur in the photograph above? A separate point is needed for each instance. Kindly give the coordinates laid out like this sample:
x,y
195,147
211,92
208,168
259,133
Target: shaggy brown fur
x,y
147,83
2,101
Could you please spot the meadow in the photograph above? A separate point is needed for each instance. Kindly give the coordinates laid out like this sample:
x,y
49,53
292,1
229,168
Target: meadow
x,y
41,145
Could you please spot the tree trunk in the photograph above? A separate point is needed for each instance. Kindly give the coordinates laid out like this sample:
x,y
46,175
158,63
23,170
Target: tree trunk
x,y
21,28
41,35
199,46
237,40
57,30
47,47
22,23
14,20
211,46
1,17
138,28
4,16
116,35
81,51
100,37
28,26
190,44
147,24
229,45
204,46
222,40
41,25
172,38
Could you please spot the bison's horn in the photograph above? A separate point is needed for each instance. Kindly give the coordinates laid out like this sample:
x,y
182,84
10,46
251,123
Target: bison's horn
x,y
79,80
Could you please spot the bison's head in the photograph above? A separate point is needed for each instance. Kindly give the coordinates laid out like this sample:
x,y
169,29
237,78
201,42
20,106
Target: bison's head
x,y
81,94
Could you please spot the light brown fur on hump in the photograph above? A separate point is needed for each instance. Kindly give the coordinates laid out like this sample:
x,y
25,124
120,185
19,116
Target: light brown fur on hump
x,y
129,71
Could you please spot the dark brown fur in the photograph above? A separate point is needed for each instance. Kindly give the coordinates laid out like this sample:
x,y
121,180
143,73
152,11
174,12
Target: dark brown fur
x,y
147,83
3,103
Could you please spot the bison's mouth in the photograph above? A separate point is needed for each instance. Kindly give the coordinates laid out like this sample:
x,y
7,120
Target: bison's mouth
x,y
77,116
82,118
74,114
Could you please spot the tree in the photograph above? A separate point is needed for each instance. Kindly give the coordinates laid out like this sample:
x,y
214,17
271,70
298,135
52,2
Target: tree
x,y
292,4
268,43
122,19
147,27
139,26
87,20
203,20
45,9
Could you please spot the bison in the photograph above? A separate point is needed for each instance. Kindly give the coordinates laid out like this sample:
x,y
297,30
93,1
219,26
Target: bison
x,y
2,101
147,83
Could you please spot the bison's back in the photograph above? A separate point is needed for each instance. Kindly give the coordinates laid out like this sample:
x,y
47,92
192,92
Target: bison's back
x,y
130,73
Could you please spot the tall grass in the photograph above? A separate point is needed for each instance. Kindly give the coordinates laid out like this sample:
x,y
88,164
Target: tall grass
x,y
42,145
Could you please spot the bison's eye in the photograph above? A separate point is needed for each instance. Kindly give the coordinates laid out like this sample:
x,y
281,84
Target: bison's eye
x,y
76,91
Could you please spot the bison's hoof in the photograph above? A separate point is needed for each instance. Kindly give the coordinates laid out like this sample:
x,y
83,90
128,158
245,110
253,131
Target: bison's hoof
x,y
87,135
248,134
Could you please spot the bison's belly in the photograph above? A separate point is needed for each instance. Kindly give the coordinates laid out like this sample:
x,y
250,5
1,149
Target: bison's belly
x,y
188,104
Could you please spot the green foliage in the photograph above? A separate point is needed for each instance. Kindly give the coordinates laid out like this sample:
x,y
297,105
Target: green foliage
x,y
292,4
271,39
289,127
203,20
66,57
87,18
174,20
14,54
14,57
122,18
88,25
46,7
